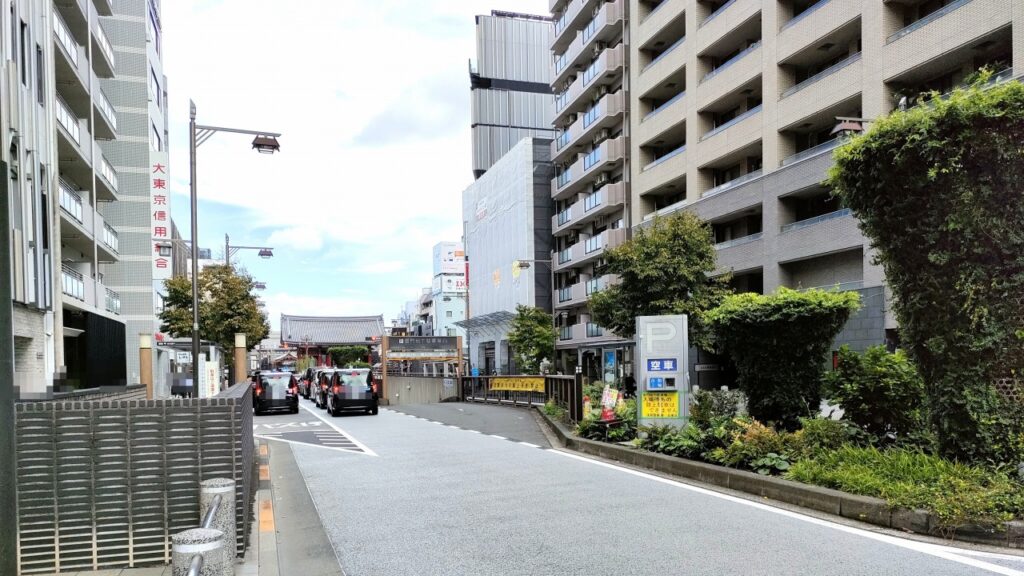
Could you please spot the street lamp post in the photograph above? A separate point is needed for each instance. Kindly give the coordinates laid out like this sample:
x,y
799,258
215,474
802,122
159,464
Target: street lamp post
x,y
229,250
264,143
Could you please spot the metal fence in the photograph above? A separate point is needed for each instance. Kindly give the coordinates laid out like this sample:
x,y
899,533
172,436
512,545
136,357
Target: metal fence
x,y
105,483
565,391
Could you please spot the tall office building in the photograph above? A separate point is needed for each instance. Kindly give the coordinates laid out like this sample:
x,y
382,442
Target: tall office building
x,y
143,216
591,185
511,84
53,118
736,109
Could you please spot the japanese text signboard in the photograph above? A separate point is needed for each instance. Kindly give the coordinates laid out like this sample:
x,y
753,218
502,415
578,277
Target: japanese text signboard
x,y
663,363
160,215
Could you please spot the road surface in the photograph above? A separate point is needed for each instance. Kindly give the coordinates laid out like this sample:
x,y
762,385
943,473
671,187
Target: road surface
x,y
422,497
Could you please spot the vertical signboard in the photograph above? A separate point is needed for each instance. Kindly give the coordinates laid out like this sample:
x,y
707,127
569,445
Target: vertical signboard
x,y
663,374
160,215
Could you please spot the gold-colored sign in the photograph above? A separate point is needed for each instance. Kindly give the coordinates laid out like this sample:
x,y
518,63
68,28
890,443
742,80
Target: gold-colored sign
x,y
517,384
660,405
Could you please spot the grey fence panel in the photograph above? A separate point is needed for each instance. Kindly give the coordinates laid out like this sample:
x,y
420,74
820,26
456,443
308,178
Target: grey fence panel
x,y
105,483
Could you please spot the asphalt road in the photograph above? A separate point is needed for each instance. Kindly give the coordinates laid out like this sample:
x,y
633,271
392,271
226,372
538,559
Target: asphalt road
x,y
429,498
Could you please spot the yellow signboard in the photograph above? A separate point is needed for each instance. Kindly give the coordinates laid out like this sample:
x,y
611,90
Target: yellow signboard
x,y
660,405
517,384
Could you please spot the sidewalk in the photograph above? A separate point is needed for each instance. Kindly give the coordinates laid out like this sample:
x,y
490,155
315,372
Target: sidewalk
x,y
287,531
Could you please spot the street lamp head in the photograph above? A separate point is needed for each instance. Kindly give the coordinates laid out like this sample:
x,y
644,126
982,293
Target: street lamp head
x,y
522,264
847,127
266,253
266,144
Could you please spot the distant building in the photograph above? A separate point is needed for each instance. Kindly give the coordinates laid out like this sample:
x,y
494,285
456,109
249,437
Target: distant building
x,y
448,289
507,220
312,336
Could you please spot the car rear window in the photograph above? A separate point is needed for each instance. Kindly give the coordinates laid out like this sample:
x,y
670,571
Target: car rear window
x,y
353,377
283,380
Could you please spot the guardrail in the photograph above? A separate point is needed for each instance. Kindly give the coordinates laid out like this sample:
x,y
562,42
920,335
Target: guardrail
x,y
195,566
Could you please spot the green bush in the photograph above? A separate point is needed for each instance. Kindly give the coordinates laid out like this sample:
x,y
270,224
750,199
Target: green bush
x,y
817,435
880,392
956,493
750,442
555,411
710,406
779,343
937,191
592,428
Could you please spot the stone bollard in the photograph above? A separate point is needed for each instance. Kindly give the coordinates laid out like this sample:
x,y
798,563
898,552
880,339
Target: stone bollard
x,y
206,542
224,519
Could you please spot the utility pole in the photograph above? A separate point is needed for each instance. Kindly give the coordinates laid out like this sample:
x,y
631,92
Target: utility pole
x,y
8,459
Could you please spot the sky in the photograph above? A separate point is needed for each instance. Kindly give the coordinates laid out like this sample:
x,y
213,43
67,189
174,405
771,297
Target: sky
x,y
372,100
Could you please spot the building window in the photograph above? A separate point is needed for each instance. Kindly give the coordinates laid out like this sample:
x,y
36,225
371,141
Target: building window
x,y
23,54
154,87
153,30
40,82
154,139
448,314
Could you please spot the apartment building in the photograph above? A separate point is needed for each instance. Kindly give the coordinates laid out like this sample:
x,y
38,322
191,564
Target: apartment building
x,y
140,158
510,84
54,117
738,104
591,188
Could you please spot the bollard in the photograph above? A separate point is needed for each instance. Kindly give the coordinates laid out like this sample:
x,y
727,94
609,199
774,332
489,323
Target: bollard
x,y
224,518
206,542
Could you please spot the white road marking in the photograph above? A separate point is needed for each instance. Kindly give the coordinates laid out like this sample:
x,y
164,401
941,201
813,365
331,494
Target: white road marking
x,y
530,445
498,437
944,552
340,431
276,439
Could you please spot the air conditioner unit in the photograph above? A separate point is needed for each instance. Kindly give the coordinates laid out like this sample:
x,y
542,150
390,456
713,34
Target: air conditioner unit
x,y
602,90
602,136
602,179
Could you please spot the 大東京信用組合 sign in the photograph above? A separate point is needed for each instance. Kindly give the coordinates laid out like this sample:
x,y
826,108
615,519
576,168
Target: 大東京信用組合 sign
x,y
517,384
660,405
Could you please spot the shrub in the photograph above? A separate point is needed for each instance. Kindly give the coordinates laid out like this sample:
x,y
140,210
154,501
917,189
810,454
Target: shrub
x,y
750,442
956,493
818,435
552,409
592,428
710,406
778,343
937,191
880,392
684,442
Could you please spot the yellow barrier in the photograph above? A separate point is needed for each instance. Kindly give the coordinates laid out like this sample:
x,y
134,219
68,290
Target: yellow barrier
x,y
517,384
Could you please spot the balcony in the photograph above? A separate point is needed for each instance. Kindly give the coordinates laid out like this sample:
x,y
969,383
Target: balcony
x,y
733,183
103,53
584,172
74,144
573,18
106,179
665,169
605,70
725,126
658,19
816,220
605,200
113,301
730,76
818,21
812,151
953,30
69,63
592,248
72,283
104,7
835,86
604,27
571,296
77,218
563,220
569,335
726,20
109,245
661,67
106,120
826,234
605,114
740,254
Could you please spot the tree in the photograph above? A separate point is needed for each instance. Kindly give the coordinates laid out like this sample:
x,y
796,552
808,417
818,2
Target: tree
x,y
663,269
937,191
779,344
532,338
880,392
345,355
226,306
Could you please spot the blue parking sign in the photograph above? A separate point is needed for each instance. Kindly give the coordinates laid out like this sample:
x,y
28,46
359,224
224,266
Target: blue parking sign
x,y
661,365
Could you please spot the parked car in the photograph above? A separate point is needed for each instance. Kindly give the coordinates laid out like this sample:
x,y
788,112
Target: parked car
x,y
352,389
306,382
275,391
323,380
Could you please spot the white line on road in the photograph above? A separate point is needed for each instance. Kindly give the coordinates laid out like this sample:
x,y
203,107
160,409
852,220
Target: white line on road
x,y
530,445
944,552
352,450
340,431
498,437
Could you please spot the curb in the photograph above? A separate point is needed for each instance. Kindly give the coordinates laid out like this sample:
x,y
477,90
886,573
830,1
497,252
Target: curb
x,y
855,507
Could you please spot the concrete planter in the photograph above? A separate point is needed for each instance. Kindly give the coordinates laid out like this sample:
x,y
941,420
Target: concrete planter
x,y
863,508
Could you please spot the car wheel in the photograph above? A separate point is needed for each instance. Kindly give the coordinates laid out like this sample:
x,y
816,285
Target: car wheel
x,y
373,411
295,409
335,412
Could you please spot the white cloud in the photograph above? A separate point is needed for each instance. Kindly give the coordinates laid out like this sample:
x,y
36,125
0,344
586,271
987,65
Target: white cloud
x,y
372,100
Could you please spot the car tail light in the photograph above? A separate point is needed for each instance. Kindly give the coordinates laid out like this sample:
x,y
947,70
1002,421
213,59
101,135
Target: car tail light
x,y
259,390
337,389
373,388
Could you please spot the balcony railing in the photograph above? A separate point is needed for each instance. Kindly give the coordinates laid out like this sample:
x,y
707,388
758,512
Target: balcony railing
x,y
664,105
731,61
593,200
64,37
72,282
664,158
113,301
561,61
812,151
565,294
105,47
591,115
739,241
734,183
561,100
565,256
563,139
927,20
594,331
106,108
653,12
591,72
565,333
593,285
838,286
68,120
592,158
666,52
732,122
593,244
565,216
804,14
107,171
589,29
816,220
715,14
71,201
110,238
827,71
564,177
